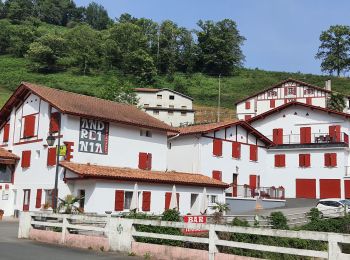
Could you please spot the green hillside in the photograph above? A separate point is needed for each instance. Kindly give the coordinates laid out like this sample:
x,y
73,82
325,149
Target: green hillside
x,y
202,88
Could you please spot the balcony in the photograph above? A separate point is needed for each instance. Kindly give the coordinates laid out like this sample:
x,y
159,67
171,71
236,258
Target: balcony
x,y
245,191
316,140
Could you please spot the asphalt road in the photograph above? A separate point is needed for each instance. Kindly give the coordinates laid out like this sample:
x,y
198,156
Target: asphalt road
x,y
12,248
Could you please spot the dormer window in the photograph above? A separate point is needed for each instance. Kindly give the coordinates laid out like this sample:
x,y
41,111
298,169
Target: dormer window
x,y
171,97
272,93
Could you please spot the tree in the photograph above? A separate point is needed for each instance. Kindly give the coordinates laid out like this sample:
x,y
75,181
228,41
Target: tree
x,y
334,50
120,92
219,47
336,102
21,36
2,10
97,16
84,47
47,51
18,10
5,33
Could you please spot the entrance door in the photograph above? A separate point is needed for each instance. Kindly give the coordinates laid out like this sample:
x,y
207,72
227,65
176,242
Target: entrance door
x,y
234,185
305,188
330,188
26,200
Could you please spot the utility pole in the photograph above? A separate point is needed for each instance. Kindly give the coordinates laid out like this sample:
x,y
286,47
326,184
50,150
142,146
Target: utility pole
x,y
219,99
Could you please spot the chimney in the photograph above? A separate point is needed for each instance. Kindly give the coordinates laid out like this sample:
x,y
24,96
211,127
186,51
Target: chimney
x,y
328,85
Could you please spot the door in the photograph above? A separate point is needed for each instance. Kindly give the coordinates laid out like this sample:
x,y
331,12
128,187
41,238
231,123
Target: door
x,y
347,189
26,200
334,133
277,137
305,188
305,135
330,188
234,185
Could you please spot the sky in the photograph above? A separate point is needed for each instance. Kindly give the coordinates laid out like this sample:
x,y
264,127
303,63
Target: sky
x,y
282,35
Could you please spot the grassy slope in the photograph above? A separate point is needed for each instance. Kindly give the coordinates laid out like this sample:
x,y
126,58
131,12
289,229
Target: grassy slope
x,y
204,89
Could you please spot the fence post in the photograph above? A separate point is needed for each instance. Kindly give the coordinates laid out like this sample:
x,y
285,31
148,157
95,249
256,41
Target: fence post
x,y
212,242
24,224
64,229
119,234
334,250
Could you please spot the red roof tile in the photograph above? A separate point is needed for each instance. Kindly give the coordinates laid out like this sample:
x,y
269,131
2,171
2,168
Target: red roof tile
x,y
85,106
295,103
128,174
281,83
7,157
146,89
206,128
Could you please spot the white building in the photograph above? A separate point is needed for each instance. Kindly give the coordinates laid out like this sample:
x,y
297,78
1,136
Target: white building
x,y
281,93
111,149
166,105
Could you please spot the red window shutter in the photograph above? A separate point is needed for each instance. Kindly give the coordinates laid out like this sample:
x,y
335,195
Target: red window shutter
x,y
301,160
333,159
280,160
277,160
327,160
217,175
272,103
149,161
167,200
54,122
51,156
253,153
307,158
146,201
247,117
305,135
178,200
285,91
143,161
25,163
247,105
29,126
252,181
6,133
309,101
119,200
236,150
334,132
217,147
277,135
38,198
70,150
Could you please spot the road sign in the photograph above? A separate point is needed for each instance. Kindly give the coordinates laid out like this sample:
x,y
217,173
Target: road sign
x,y
63,150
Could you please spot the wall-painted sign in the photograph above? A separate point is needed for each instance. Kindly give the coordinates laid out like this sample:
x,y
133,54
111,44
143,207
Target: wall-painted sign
x,y
63,150
194,219
93,136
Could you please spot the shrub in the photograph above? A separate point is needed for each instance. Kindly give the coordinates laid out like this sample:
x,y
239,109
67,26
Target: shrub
x,y
278,220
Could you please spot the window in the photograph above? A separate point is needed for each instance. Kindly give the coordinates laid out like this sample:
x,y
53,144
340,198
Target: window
x,y
170,113
146,105
272,103
29,126
81,195
5,174
168,198
155,112
247,117
183,107
217,147
291,91
127,199
309,91
54,122
25,163
194,198
309,101
217,175
247,105
38,198
236,150
330,159
253,153
304,160
159,105
212,199
171,97
51,156
183,113
144,132
49,198
146,201
159,97
6,135
145,161
171,106
280,160
272,93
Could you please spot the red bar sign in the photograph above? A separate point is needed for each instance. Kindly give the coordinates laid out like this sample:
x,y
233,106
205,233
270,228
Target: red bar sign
x,y
194,219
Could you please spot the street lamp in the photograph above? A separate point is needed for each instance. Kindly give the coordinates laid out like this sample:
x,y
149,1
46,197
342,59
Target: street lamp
x,y
50,142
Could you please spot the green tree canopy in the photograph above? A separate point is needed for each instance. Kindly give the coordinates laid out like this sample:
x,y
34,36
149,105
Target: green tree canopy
x,y
334,50
97,16
120,92
5,33
220,46
18,10
21,36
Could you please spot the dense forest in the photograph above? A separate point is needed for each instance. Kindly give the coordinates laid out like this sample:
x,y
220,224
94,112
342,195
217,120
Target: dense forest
x,y
81,49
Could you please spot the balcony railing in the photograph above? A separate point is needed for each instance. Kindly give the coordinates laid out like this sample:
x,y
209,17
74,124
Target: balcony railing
x,y
316,138
245,191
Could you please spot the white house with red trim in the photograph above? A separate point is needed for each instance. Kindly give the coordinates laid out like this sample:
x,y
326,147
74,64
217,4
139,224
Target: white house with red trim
x,y
281,93
167,105
113,152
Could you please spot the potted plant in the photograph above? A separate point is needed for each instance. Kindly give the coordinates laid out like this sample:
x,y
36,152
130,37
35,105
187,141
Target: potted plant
x,y
46,207
1,213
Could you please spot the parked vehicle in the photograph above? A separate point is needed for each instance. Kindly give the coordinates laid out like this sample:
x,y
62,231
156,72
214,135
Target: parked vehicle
x,y
333,208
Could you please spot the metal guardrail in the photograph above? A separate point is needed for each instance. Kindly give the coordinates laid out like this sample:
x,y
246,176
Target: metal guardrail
x,y
121,232
316,138
245,191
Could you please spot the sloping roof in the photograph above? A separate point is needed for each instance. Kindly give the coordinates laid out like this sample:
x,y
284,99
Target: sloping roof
x,y
128,174
295,103
156,90
7,157
85,106
281,83
206,128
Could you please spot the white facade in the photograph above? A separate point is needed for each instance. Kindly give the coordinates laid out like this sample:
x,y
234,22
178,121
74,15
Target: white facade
x,y
286,91
166,105
122,147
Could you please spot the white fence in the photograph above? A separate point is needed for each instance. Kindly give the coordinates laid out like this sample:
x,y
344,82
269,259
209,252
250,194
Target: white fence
x,y
120,233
